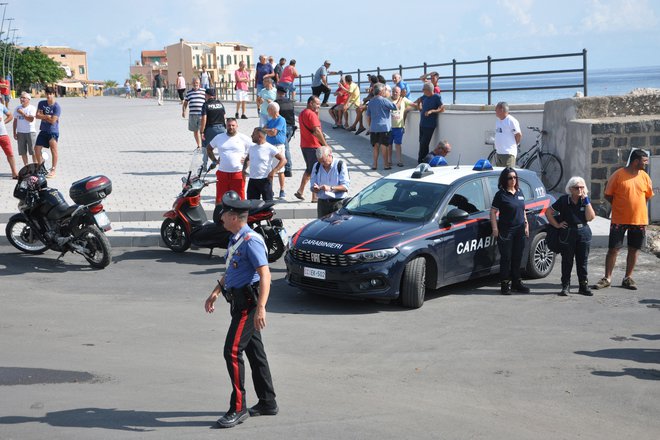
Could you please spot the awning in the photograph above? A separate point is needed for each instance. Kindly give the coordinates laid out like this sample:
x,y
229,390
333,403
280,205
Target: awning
x,y
71,85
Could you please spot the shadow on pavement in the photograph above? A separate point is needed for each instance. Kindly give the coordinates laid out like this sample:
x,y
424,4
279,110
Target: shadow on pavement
x,y
18,263
112,418
642,355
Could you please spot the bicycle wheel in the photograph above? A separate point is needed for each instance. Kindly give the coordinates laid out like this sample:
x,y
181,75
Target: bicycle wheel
x,y
549,169
492,157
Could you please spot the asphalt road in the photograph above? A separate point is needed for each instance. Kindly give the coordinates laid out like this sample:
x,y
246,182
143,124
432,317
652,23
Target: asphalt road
x,y
128,353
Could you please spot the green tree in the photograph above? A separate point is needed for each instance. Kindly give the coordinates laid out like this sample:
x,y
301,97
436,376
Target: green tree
x,y
138,77
110,83
34,67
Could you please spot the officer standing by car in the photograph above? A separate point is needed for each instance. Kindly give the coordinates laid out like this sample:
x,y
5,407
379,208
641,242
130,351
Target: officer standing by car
x,y
510,229
576,211
246,286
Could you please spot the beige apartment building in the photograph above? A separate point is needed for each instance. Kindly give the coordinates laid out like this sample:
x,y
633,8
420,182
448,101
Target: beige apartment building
x,y
220,60
73,61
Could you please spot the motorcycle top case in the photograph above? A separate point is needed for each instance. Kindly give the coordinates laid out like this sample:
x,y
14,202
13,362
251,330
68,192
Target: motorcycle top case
x,y
90,190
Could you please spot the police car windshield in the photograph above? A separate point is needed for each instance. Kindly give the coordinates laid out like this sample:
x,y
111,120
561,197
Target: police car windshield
x,y
405,200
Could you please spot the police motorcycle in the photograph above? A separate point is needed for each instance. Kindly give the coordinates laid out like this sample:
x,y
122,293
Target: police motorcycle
x,y
186,223
47,221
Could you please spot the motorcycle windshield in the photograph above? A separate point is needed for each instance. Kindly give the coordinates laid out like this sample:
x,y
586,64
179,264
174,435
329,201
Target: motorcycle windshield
x,y
195,169
30,170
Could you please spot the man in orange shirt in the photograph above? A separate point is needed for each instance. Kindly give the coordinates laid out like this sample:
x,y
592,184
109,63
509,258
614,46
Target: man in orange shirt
x,y
628,190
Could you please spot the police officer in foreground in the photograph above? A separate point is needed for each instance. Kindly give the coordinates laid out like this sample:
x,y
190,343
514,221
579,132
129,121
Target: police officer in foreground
x,y
246,286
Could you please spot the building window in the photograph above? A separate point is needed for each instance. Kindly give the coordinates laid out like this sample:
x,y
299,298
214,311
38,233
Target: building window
x,y
62,55
210,61
248,61
197,60
81,70
235,62
222,61
228,60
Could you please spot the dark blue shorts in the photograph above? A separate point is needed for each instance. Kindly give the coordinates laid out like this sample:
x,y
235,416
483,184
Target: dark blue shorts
x,y
636,236
43,139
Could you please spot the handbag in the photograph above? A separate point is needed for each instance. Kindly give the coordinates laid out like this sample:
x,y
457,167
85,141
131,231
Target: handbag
x,y
557,239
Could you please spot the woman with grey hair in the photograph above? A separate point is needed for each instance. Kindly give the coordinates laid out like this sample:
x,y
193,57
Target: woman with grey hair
x,y
575,212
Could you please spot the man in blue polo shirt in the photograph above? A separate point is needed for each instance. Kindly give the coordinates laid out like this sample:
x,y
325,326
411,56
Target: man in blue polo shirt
x,y
379,118
429,105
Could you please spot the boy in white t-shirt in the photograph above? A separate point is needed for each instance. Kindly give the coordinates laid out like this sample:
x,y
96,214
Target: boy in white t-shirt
x,y
260,159
25,129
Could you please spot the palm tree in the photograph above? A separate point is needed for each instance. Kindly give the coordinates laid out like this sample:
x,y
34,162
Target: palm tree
x,y
108,84
138,77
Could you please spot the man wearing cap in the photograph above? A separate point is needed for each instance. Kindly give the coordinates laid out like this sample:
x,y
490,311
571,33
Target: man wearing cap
x,y
194,101
320,83
213,121
229,151
25,128
246,286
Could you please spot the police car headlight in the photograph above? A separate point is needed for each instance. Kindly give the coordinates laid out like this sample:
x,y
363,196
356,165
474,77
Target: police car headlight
x,y
372,256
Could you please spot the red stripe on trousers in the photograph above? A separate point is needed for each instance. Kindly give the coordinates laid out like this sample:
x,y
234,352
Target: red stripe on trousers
x,y
234,361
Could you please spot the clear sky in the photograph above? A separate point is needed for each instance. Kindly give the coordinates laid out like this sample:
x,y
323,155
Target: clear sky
x,y
364,34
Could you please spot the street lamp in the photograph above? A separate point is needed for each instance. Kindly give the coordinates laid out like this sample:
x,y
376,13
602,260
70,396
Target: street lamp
x,y
4,54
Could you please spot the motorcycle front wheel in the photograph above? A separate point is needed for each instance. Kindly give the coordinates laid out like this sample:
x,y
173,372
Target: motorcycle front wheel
x,y
21,235
174,235
96,247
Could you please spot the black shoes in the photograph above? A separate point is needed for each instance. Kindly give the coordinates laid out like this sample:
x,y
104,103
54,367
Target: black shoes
x,y
585,290
288,173
505,287
232,418
261,409
243,116
519,287
565,290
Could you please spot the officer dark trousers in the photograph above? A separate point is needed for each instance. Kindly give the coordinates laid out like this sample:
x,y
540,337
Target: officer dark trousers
x,y
242,336
511,244
577,247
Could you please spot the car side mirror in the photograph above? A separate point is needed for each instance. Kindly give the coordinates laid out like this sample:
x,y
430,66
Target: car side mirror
x,y
456,215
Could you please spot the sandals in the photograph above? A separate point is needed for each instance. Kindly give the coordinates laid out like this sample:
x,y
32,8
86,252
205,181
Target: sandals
x,y
299,196
399,164
51,174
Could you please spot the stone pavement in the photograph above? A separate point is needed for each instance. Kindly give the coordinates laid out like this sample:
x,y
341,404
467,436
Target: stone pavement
x,y
145,149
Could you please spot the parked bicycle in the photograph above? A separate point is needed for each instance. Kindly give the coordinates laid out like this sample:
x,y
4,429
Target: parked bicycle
x,y
546,165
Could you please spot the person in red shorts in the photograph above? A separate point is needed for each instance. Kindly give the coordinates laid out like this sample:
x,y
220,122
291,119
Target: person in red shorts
x,y
5,142
337,110
628,190
229,151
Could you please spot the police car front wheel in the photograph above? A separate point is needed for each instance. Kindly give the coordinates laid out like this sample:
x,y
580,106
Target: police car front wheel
x,y
413,283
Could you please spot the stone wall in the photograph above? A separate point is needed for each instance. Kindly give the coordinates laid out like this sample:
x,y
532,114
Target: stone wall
x,y
594,136
612,140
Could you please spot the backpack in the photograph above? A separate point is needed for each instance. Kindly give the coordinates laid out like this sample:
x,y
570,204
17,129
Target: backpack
x,y
340,164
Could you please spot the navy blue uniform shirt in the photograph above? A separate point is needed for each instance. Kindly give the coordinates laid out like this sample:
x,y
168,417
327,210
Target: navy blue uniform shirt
x,y
512,209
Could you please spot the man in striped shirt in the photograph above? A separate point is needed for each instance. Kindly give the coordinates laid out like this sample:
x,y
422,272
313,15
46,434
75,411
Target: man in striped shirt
x,y
194,100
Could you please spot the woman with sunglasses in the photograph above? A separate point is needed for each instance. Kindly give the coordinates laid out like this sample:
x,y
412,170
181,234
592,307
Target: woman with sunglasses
x,y
510,228
576,211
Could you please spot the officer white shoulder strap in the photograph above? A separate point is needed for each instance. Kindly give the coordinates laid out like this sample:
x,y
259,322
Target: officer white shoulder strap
x,y
232,249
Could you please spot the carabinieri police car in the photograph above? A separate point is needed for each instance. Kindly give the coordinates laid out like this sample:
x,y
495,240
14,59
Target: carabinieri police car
x,y
415,230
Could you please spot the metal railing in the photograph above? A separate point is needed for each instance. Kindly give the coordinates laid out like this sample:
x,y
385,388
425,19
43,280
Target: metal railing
x,y
487,82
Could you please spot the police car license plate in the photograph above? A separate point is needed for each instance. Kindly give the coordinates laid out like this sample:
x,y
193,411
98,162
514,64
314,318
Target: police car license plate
x,y
314,273
102,220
